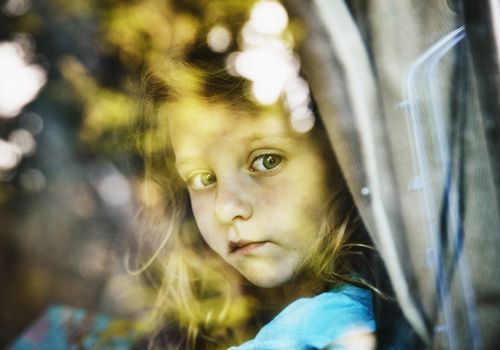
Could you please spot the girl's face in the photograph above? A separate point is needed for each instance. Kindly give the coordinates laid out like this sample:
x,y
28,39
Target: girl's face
x,y
258,189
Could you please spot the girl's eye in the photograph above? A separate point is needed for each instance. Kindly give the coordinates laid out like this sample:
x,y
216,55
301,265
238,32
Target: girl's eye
x,y
201,180
266,162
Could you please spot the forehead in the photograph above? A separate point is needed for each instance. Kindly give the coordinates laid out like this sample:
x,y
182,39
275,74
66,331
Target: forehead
x,y
201,126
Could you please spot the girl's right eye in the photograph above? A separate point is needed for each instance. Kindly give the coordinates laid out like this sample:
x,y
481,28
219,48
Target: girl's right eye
x,y
201,181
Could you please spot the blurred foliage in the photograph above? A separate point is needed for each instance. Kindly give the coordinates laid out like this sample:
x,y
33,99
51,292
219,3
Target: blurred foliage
x,y
103,48
96,53
138,37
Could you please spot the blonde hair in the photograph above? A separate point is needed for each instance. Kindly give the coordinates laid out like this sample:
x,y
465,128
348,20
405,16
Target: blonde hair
x,y
198,296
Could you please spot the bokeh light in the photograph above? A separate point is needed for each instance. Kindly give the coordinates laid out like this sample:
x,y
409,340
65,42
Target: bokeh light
x,y
268,61
219,38
267,68
269,18
114,189
24,141
16,7
21,81
32,180
32,122
10,155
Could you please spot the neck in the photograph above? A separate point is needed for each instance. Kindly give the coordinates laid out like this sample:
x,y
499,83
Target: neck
x,y
276,299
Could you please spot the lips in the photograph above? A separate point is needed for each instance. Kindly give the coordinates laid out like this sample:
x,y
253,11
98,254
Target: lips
x,y
244,247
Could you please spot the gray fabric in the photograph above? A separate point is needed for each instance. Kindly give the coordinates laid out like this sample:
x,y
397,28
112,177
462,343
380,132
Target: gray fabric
x,y
396,91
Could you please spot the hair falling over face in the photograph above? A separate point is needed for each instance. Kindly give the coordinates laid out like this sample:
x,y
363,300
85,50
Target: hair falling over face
x,y
201,302
219,163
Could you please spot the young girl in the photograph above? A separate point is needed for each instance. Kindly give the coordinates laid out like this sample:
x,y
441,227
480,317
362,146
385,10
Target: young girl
x,y
268,200
234,189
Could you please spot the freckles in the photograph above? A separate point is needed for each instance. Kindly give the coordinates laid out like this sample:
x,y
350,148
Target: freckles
x,y
201,213
272,196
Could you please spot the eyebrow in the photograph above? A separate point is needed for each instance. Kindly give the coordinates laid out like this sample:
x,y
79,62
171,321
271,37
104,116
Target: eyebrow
x,y
254,137
184,162
260,136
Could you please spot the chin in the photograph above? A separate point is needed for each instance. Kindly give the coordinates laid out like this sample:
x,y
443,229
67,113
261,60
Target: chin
x,y
267,281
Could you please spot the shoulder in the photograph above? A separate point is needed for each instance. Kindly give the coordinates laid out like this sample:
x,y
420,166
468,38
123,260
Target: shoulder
x,y
313,323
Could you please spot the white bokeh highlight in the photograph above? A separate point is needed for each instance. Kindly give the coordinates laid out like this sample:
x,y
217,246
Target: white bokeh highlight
x,y
269,18
10,155
20,81
219,38
268,61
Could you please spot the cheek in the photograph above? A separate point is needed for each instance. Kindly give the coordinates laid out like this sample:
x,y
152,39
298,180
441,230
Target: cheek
x,y
294,209
201,213
308,197
308,191
199,209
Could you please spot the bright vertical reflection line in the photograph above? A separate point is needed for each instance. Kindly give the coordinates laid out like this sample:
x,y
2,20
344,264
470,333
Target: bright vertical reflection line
x,y
495,19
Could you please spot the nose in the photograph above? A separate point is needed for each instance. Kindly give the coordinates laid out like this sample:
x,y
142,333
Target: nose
x,y
230,204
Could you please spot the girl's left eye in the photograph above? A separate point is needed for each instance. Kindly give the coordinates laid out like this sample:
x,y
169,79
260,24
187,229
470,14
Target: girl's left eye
x,y
266,162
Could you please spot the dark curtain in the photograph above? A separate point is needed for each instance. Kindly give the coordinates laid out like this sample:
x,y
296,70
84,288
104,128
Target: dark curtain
x,y
408,91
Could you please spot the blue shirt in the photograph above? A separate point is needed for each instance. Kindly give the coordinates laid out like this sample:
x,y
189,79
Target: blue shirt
x,y
313,323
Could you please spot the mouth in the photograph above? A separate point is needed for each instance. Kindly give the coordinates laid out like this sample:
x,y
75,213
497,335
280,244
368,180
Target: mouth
x,y
244,247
